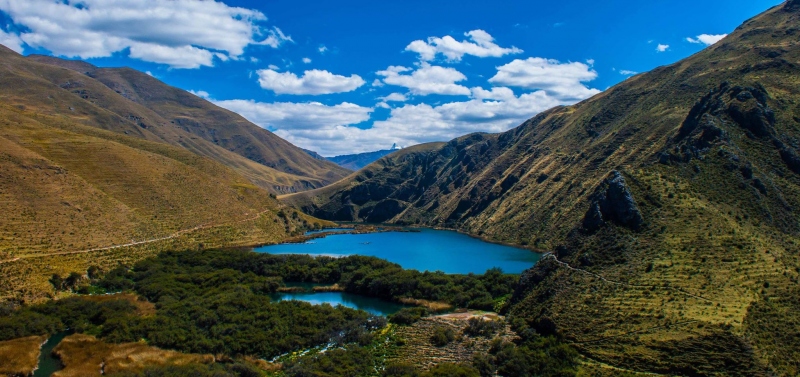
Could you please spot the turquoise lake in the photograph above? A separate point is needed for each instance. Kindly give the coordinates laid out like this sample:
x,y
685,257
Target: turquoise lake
x,y
426,250
369,304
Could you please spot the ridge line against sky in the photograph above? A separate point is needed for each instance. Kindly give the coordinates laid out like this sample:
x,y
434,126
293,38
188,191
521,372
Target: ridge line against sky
x,y
357,76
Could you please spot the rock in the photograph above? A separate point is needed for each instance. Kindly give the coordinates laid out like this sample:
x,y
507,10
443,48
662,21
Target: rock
x,y
613,201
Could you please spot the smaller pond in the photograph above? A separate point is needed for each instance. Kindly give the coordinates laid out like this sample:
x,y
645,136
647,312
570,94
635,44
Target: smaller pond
x,y
49,364
371,305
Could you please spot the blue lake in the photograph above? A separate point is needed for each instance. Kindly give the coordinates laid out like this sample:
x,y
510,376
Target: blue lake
x,y
431,250
369,304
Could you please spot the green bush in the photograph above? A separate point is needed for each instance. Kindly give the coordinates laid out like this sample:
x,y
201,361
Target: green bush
x,y
442,336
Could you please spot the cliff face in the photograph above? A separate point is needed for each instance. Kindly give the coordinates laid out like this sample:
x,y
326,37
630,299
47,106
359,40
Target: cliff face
x,y
670,202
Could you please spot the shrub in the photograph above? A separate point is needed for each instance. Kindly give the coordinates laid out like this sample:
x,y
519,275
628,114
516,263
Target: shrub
x,y
442,336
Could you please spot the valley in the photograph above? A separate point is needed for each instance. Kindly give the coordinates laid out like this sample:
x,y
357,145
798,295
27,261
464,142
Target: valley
x,y
651,228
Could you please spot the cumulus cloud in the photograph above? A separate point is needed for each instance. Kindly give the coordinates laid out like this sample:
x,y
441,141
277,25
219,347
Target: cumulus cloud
x,y
421,123
297,116
313,82
427,79
322,49
12,41
662,48
394,97
707,39
307,60
561,80
626,72
496,93
200,93
479,43
339,129
179,33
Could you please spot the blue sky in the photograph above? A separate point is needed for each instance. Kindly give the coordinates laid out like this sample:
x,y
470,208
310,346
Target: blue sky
x,y
354,76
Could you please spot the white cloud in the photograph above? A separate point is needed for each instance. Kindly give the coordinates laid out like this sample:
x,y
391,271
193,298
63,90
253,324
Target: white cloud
x,y
322,49
590,62
427,79
175,57
331,130
12,41
496,93
394,97
200,93
422,123
275,38
626,72
297,116
313,82
707,39
662,48
180,33
307,60
273,67
377,83
479,43
561,80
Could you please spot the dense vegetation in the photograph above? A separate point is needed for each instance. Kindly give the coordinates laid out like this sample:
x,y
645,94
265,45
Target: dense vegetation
x,y
218,302
177,274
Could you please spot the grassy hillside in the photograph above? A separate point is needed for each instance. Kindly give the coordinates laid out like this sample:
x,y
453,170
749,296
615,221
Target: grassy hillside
x,y
72,194
129,102
669,202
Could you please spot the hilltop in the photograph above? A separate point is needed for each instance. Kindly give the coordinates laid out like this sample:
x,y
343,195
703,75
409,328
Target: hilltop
x,y
669,203
136,104
90,177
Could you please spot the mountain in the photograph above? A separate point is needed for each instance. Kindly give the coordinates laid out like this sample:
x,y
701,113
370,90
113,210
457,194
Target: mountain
x,y
134,103
88,177
360,160
669,204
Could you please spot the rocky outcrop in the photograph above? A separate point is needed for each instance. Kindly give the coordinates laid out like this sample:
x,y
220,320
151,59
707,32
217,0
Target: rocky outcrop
x,y
613,201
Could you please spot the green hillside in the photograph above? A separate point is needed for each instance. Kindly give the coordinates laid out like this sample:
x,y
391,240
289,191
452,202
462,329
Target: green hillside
x,y
669,203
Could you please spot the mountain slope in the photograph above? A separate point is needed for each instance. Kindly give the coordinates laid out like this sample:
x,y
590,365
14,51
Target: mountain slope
x,y
82,185
130,102
359,160
670,202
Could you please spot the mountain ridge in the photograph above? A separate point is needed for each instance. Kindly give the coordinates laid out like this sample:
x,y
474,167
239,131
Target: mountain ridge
x,y
167,114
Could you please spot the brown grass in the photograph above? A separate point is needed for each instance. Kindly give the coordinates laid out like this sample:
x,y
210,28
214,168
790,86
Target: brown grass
x,y
20,356
435,306
85,355
144,308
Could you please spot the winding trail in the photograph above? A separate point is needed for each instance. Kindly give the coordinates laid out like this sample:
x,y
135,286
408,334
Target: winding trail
x,y
143,242
553,256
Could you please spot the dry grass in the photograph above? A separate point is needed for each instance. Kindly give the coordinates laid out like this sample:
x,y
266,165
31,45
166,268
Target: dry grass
x,y
434,306
84,355
20,356
144,308
416,341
